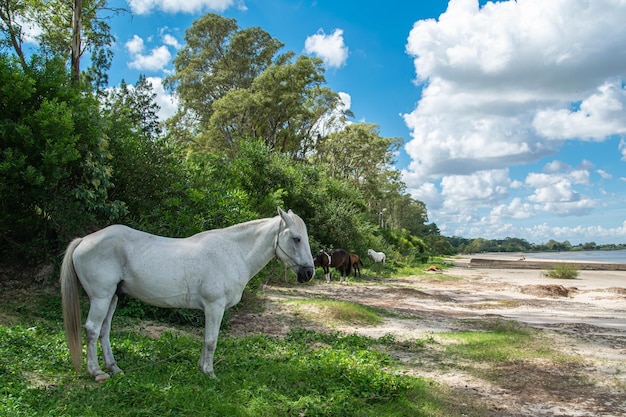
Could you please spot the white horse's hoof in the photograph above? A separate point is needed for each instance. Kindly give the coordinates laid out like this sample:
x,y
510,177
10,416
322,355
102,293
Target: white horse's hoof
x,y
115,369
101,377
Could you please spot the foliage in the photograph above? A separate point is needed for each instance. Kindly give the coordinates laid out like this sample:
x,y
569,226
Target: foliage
x,y
79,160
218,57
54,162
510,244
53,19
562,271
145,166
282,107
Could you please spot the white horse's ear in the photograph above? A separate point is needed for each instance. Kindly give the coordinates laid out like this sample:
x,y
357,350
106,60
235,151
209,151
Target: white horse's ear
x,y
284,216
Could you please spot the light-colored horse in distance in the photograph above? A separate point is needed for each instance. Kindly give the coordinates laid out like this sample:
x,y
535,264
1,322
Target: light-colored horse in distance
x,y
376,256
207,271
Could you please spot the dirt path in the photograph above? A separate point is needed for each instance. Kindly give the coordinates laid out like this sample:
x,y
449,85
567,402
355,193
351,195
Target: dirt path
x,y
585,318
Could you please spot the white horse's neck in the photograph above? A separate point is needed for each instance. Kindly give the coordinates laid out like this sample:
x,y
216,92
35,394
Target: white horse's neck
x,y
257,239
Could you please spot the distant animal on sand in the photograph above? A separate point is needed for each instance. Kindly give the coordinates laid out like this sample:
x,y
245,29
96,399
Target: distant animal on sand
x,y
207,271
432,268
376,256
338,259
355,261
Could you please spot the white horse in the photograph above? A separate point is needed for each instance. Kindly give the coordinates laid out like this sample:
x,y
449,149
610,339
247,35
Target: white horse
x,y
206,271
376,256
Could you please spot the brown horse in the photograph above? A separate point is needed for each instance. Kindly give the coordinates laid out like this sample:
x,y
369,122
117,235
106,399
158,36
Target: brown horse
x,y
355,261
338,259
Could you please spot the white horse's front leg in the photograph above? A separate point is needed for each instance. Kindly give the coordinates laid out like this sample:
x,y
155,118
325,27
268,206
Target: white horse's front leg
x,y
212,320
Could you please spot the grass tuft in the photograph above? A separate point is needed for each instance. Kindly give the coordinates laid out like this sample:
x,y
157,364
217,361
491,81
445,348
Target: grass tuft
x,y
332,312
562,271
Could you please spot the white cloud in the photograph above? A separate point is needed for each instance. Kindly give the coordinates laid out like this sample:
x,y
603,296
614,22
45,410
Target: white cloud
x,y
516,209
600,115
178,6
507,84
30,29
331,48
156,60
429,194
556,166
167,102
482,188
135,46
555,193
171,41
495,78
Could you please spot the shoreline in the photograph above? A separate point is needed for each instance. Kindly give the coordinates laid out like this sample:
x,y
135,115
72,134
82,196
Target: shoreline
x,y
486,261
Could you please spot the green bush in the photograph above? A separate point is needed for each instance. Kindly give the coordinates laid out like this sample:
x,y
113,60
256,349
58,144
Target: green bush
x,y
562,271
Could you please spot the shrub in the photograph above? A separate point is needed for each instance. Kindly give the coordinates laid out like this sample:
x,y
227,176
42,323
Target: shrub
x,y
562,271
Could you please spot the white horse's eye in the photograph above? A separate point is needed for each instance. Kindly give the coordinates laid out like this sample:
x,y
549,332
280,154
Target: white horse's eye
x,y
296,239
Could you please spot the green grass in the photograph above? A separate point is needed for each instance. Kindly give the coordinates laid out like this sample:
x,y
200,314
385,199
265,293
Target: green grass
x,y
502,351
562,271
339,312
303,374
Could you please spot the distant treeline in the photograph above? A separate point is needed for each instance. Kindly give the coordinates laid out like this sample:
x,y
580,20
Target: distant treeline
x,y
511,244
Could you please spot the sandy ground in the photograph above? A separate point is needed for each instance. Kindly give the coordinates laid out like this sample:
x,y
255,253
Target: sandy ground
x,y
584,318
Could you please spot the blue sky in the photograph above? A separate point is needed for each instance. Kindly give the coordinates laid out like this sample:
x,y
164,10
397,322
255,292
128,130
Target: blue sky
x,y
513,114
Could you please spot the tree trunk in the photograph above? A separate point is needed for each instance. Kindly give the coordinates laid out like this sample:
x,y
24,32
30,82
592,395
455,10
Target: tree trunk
x,y
75,44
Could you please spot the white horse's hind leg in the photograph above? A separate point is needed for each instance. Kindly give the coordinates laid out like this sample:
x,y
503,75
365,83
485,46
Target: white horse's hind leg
x,y
105,342
97,314
213,318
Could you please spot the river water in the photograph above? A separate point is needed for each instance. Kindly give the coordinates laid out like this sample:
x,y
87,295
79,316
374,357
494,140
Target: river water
x,y
607,256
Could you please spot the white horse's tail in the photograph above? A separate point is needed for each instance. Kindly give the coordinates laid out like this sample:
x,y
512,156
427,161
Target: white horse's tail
x,y
71,305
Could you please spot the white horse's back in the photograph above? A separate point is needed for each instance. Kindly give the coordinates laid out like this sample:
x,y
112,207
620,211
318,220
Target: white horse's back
x,y
162,271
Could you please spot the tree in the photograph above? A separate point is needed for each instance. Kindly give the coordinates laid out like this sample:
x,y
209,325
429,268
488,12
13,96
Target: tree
x,y
54,163
282,106
217,58
68,29
11,11
145,165
358,154
404,212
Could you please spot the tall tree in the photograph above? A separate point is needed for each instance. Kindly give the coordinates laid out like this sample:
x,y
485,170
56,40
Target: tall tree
x,y
358,153
75,43
11,12
67,30
218,57
282,107
145,166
